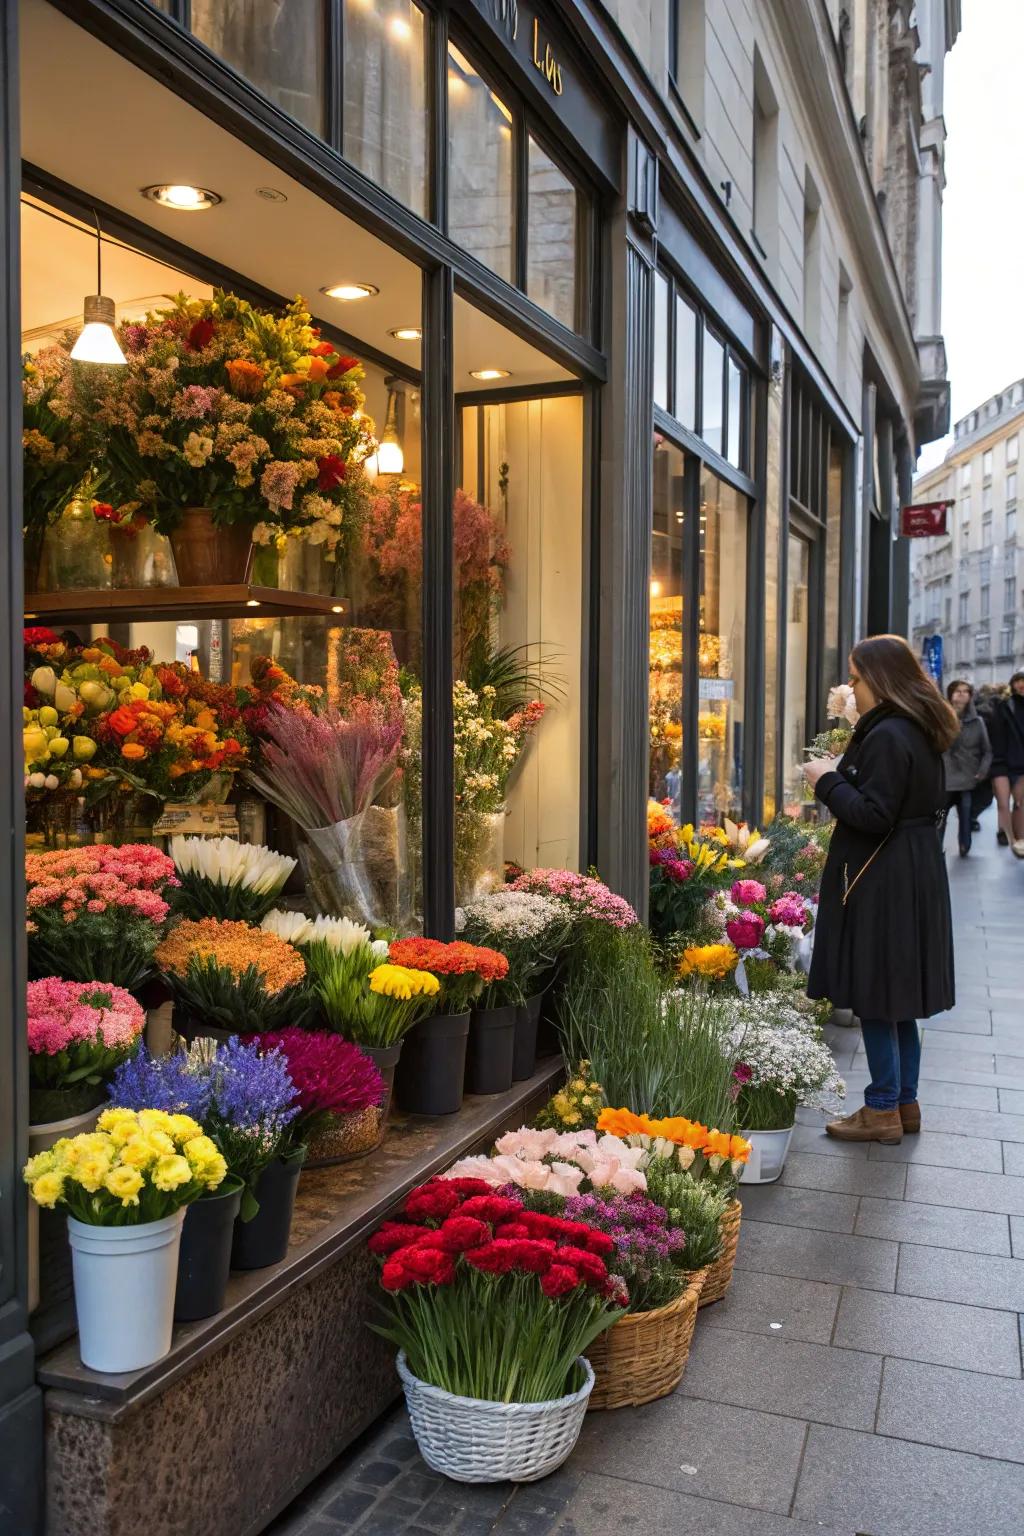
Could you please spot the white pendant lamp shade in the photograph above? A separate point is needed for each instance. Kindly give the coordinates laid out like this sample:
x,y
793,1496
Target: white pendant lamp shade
x,y
97,342
389,455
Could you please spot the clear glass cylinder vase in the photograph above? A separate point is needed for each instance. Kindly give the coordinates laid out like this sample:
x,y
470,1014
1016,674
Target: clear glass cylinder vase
x,y
479,853
358,868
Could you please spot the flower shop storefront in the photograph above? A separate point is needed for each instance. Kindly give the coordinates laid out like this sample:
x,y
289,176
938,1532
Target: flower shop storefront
x,y
307,656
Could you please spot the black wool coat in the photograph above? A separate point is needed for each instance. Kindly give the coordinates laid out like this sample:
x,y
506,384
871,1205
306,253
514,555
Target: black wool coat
x,y
888,953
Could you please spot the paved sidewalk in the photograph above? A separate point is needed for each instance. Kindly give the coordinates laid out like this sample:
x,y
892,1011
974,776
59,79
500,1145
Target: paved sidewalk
x,y
864,1373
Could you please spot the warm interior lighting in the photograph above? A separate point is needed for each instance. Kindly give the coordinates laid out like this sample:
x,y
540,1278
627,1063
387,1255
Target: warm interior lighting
x,y
337,608
253,602
655,588
489,373
400,29
506,114
390,458
97,342
181,196
348,292
461,60
406,333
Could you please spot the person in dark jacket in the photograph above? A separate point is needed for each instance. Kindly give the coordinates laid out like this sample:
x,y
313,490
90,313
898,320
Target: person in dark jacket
x,y
883,940
1006,731
966,763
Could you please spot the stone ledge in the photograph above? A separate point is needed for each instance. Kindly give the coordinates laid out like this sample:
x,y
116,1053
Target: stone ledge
x,y
336,1210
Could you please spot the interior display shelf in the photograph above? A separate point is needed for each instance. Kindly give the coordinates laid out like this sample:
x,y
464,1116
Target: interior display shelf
x,y
140,604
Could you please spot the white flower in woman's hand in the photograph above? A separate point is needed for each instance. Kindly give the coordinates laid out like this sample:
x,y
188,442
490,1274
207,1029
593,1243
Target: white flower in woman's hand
x,y
842,705
818,767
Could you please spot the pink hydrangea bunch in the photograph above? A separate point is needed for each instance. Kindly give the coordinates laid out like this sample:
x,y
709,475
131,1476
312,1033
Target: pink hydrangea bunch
x,y
94,879
585,895
790,911
62,1014
746,893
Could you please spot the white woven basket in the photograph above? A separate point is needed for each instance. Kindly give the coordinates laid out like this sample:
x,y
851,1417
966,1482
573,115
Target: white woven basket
x,y
474,1441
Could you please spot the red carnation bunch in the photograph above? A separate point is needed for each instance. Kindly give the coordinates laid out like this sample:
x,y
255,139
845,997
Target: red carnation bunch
x,y
471,1277
462,969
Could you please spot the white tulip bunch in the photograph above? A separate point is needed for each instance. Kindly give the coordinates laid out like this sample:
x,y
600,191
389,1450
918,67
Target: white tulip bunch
x,y
227,879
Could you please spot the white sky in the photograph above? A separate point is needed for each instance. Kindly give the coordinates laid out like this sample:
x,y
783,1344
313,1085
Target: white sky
x,y
983,211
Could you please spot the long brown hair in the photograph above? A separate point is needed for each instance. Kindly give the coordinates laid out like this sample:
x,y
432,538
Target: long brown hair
x,y
895,676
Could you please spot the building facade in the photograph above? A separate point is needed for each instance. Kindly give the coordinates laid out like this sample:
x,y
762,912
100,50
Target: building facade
x,y
656,283
966,585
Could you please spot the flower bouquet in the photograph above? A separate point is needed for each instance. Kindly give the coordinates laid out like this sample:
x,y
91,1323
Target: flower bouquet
x,y
765,929
326,771
686,869
362,994
558,1163
492,1308
340,1094
78,1034
56,448
842,707
219,877
528,929
227,978
96,914
576,1106
125,1187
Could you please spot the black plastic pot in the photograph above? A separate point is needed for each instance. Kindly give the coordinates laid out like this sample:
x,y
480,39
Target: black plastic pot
x,y
492,1044
524,1058
204,1257
264,1239
385,1058
430,1075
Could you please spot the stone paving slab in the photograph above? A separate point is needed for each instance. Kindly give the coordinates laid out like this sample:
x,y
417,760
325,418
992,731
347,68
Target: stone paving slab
x,y
863,1377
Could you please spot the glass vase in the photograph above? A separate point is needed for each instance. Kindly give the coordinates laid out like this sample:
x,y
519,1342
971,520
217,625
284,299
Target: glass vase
x,y
304,567
140,557
479,853
78,549
358,868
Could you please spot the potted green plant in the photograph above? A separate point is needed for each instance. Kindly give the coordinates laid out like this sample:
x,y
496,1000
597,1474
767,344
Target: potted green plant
x,y
124,1188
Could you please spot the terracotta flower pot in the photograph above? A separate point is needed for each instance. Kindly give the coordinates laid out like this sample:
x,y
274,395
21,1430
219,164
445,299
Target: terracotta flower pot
x,y
207,554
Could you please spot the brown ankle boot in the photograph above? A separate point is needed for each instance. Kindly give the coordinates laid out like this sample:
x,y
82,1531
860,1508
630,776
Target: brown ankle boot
x,y
869,1124
910,1115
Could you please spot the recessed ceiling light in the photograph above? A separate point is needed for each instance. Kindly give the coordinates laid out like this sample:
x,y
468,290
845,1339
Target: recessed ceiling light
x,y
183,198
489,373
347,292
271,195
406,333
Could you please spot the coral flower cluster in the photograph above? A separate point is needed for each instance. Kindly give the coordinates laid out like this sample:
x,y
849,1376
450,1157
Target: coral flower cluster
x,y
235,947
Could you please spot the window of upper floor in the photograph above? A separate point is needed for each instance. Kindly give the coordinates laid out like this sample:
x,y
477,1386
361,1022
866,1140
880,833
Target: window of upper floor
x,y
699,379
687,25
965,475
986,464
1012,449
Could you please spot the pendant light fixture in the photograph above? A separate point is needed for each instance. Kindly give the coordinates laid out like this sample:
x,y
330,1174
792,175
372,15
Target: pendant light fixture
x,y
97,342
390,458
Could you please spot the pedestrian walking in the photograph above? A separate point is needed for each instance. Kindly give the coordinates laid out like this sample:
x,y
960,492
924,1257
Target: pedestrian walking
x,y
883,939
1006,731
965,763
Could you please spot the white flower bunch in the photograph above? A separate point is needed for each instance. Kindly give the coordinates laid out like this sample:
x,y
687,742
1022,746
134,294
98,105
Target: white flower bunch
x,y
517,915
842,705
293,927
344,936
783,1050
223,861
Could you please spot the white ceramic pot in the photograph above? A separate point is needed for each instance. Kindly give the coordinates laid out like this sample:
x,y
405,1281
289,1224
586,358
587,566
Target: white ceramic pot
x,y
767,1159
124,1291
40,1138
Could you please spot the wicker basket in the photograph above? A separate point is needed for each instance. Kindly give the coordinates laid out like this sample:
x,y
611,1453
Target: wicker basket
x,y
643,1355
719,1276
473,1441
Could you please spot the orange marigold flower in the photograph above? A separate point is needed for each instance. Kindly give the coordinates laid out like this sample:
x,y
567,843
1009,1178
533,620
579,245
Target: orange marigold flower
x,y
134,751
244,378
235,946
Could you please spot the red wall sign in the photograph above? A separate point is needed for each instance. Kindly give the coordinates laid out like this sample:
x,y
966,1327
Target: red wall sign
x,y
924,521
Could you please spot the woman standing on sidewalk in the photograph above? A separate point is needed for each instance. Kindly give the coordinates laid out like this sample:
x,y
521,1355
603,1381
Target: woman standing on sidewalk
x,y
883,942
965,763
1006,728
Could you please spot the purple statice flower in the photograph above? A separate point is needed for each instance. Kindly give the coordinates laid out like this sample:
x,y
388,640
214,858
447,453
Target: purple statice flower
x,y
250,1089
161,1082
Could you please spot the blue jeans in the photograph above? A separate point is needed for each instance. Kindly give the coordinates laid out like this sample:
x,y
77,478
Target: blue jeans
x,y
894,1060
961,800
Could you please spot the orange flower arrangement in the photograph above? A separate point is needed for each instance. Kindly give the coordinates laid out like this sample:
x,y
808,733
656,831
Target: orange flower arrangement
x,y
716,1150
235,947
714,962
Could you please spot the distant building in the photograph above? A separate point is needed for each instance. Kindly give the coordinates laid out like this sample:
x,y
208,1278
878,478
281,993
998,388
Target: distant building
x,y
966,585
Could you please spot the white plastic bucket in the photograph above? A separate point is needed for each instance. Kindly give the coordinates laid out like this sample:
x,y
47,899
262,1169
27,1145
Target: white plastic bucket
x,y
767,1159
124,1291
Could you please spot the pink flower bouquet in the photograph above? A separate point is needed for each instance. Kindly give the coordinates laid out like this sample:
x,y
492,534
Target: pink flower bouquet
x,y
78,1033
97,914
560,1163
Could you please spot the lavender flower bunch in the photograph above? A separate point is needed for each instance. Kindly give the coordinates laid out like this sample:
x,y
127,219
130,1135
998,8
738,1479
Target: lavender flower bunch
x,y
170,1083
649,1252
252,1104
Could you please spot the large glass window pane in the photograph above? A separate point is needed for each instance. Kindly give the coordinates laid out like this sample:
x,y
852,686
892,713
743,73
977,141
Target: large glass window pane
x,y
737,408
834,664
479,167
686,364
666,641
551,221
385,105
722,620
280,48
798,636
661,340
772,504
518,625
711,394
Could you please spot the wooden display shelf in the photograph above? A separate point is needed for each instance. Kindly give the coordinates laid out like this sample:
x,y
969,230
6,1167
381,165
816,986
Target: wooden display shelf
x,y
135,604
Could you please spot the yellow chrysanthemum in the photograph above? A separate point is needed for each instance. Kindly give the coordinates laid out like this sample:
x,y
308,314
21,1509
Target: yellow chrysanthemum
x,y
43,1162
92,1171
124,1184
48,1189
162,1143
155,1120
115,1117
183,1128
137,1153
712,961
400,981
213,1172
171,1172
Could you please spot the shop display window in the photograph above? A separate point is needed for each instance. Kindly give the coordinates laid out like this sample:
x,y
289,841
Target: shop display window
x,y
795,734
385,112
480,159
721,649
666,681
552,219
280,48
709,391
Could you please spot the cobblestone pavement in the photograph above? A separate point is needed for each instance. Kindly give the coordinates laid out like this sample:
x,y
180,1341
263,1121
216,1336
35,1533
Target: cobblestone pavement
x,y
864,1373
